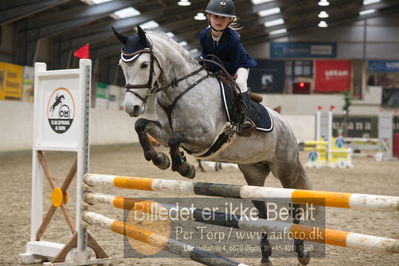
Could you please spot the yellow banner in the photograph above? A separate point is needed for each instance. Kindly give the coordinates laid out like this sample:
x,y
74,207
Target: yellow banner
x,y
11,81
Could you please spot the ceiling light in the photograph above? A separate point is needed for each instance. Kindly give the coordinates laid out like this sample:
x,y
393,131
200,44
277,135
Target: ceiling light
x,y
257,2
322,24
94,2
149,25
170,34
184,3
200,16
275,22
366,12
183,43
324,3
275,32
125,13
369,2
323,14
269,12
193,51
99,1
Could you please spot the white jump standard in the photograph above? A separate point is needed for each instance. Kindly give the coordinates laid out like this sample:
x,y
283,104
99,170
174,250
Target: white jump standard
x,y
61,123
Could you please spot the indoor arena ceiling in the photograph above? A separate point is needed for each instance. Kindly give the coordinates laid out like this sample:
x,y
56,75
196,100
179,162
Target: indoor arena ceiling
x,y
77,22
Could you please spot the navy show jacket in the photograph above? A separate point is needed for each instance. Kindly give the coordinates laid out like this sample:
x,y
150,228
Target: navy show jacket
x,y
229,49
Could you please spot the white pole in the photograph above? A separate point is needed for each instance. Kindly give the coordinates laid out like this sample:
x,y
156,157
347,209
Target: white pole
x,y
37,171
329,135
317,126
83,152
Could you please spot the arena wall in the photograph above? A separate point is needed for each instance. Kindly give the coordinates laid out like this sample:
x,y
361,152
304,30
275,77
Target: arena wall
x,y
106,126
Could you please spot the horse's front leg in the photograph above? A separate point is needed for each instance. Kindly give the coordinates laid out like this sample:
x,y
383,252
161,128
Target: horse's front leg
x,y
154,128
179,161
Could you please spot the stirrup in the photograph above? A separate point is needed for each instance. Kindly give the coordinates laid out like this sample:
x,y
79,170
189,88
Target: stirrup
x,y
245,128
247,122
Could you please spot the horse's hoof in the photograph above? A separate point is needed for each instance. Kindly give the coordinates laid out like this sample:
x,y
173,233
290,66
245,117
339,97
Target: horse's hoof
x,y
187,170
304,257
191,174
265,262
162,161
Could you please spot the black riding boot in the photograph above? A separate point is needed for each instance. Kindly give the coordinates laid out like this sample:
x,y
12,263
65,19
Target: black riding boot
x,y
245,122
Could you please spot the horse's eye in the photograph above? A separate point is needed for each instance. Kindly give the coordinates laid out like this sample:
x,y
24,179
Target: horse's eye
x,y
144,65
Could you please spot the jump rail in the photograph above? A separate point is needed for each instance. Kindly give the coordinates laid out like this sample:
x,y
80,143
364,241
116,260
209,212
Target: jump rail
x,y
320,198
170,245
327,236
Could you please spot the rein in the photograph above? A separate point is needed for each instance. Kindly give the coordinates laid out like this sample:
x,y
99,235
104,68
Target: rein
x,y
169,108
216,61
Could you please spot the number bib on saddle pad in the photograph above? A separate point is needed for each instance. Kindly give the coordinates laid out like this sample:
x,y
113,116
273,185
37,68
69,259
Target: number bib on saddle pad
x,y
257,112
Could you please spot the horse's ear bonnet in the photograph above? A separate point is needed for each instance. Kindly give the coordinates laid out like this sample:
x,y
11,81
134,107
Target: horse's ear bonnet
x,y
134,43
142,37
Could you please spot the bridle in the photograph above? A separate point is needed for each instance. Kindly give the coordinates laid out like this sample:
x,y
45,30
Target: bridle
x,y
153,88
149,84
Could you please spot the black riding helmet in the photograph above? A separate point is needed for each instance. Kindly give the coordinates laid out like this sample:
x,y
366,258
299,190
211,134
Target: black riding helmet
x,y
223,8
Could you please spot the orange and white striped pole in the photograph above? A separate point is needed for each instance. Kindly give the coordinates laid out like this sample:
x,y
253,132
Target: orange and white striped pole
x,y
144,236
320,198
294,231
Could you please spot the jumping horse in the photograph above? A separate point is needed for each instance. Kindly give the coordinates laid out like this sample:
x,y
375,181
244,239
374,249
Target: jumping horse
x,y
190,116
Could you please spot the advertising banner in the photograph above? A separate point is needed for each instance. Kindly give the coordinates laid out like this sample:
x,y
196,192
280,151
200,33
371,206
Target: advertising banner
x,y
332,75
358,126
383,65
267,77
10,81
384,73
303,50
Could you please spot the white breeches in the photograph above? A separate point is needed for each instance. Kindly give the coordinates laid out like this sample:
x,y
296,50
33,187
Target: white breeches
x,y
242,77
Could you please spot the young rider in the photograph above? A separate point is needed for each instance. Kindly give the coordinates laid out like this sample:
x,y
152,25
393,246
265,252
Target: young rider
x,y
221,39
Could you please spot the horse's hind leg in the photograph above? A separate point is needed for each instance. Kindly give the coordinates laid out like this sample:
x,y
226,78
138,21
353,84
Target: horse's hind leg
x,y
179,162
143,126
218,166
303,256
255,175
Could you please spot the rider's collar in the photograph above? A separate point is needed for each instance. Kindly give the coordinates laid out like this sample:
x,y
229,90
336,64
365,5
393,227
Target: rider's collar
x,y
225,34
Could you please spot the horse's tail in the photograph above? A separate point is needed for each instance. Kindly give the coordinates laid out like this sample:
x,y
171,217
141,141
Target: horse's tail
x,y
302,180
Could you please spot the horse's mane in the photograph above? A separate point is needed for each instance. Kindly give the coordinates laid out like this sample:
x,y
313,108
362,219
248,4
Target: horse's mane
x,y
182,51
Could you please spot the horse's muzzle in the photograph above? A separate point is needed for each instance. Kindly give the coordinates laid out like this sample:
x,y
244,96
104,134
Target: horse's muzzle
x,y
133,110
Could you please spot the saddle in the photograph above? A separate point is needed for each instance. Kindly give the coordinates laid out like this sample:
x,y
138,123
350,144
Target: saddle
x,y
257,112
227,83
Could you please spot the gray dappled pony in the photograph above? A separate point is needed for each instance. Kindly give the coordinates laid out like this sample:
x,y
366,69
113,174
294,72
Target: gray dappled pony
x,y
197,118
